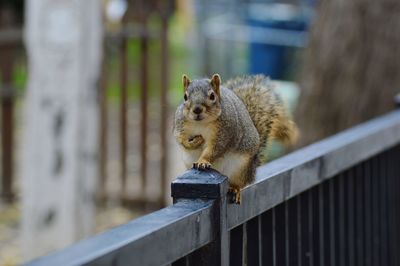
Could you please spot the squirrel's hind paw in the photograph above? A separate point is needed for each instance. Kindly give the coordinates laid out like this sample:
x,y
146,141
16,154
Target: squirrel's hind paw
x,y
234,192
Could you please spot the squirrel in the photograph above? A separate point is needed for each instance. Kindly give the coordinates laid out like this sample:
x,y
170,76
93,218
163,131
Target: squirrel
x,y
228,127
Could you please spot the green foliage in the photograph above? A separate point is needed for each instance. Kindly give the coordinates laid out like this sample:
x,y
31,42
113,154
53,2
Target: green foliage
x,y
20,76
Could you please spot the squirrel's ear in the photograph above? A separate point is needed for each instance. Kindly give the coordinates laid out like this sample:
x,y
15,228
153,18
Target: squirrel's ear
x,y
185,82
215,83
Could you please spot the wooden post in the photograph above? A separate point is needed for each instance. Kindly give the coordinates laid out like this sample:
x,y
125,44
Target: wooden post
x,y
59,167
8,46
164,103
206,185
7,122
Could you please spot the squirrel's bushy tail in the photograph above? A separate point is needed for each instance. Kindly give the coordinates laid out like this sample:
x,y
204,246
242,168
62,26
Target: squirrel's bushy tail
x,y
267,110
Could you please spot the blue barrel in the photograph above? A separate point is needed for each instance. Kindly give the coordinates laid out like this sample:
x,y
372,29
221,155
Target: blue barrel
x,y
271,59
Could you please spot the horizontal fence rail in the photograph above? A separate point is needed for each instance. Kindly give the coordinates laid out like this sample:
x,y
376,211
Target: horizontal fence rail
x,y
174,231
289,176
335,202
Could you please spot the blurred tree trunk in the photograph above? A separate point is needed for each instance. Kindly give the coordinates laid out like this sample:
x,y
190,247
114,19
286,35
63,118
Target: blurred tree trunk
x,y
352,66
59,166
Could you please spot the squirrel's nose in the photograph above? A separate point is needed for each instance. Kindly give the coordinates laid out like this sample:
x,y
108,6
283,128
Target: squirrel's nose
x,y
197,110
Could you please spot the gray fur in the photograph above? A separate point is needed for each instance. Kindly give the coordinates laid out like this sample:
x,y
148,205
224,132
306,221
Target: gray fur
x,y
245,114
237,131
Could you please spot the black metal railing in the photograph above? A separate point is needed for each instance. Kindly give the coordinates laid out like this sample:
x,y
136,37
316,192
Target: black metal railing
x,y
335,202
349,219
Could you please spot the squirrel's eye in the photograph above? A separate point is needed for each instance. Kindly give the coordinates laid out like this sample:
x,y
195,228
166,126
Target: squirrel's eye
x,y
185,97
212,96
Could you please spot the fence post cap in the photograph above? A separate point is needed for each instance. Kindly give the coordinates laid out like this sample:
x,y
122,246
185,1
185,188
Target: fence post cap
x,y
206,184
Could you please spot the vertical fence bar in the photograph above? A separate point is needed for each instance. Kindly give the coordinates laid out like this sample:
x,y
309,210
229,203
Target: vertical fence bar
x,y
267,229
326,237
332,231
7,113
339,220
102,193
393,225
375,211
345,182
244,246
318,207
383,193
236,246
396,204
394,198
164,105
350,207
287,239
280,235
368,214
390,198
299,230
306,229
293,237
396,207
253,242
123,111
310,227
359,213
273,236
260,243
144,58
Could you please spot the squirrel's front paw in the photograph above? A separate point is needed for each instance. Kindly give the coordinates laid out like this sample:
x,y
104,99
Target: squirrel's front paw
x,y
195,142
202,165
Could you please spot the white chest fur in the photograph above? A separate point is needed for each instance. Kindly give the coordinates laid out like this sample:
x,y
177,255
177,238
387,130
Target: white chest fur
x,y
198,128
190,156
228,165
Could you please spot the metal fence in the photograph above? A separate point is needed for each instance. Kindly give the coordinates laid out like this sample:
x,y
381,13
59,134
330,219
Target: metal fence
x,y
336,202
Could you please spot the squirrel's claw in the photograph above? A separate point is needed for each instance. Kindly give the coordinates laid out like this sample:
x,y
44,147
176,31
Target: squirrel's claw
x,y
235,195
202,165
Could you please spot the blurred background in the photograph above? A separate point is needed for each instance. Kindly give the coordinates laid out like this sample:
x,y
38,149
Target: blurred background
x,y
88,90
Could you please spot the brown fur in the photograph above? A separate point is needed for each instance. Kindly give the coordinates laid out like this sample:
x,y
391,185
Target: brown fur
x,y
266,109
232,125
